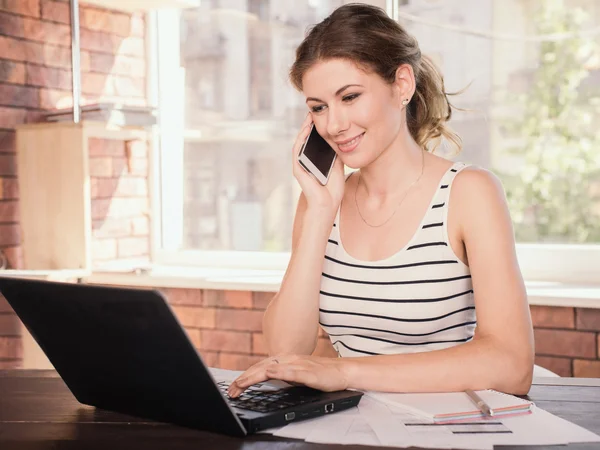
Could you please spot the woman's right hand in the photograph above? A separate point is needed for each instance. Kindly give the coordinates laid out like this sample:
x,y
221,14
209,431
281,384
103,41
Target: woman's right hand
x,y
322,198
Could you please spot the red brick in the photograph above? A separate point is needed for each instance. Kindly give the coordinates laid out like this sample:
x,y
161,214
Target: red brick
x,y
24,7
95,84
8,165
106,21
49,77
101,167
4,306
259,346
228,299
11,364
586,369
52,98
11,25
9,211
46,32
14,255
211,359
12,49
10,234
97,41
560,366
243,320
55,56
10,325
10,348
588,319
261,300
7,140
103,249
195,337
565,343
133,246
233,361
119,207
231,341
14,95
12,72
552,317
56,11
194,317
11,117
135,166
117,65
106,147
183,297
10,189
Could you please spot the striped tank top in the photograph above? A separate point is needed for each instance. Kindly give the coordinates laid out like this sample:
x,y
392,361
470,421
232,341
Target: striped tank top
x,y
419,299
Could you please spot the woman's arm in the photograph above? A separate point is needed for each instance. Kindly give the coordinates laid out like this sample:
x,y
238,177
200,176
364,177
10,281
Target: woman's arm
x,y
291,322
502,352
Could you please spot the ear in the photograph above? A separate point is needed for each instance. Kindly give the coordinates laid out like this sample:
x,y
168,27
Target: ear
x,y
404,84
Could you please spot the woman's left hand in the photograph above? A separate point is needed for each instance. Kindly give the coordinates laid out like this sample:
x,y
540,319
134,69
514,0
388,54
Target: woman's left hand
x,y
316,372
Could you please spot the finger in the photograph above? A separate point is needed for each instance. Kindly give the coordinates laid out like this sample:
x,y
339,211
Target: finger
x,y
302,135
242,383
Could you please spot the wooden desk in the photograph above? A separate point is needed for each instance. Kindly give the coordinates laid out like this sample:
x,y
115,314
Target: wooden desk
x,y
37,411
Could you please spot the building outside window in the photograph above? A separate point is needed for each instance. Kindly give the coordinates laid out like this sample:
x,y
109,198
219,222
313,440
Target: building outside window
x,y
229,117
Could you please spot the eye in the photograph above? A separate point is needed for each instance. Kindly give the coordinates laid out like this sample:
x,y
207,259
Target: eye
x,y
350,97
317,109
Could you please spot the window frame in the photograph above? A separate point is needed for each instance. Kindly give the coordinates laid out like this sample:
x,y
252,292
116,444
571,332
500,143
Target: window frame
x,y
554,263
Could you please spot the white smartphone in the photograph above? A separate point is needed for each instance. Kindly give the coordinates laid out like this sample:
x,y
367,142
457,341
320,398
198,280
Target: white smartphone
x,y
317,156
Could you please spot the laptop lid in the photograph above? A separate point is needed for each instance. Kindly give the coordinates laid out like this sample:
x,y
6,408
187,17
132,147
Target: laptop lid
x,y
122,349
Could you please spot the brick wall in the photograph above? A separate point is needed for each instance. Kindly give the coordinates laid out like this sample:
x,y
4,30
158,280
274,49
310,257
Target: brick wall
x,y
226,327
35,76
567,340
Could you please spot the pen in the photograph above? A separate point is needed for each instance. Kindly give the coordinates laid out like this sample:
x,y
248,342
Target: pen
x,y
483,406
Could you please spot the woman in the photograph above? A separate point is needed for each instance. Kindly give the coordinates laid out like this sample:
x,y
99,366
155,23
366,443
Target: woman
x,y
394,260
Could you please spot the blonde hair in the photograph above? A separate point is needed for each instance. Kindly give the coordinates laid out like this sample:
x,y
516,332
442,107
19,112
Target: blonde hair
x,y
367,36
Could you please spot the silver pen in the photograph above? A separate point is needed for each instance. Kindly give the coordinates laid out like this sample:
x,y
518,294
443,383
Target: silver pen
x,y
483,406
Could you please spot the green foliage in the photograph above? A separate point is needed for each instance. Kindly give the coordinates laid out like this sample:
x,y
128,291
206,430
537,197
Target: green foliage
x,y
553,192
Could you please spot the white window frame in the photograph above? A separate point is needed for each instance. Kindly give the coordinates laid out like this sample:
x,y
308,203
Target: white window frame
x,y
553,263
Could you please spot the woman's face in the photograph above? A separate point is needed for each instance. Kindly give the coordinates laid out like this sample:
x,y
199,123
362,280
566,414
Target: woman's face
x,y
355,111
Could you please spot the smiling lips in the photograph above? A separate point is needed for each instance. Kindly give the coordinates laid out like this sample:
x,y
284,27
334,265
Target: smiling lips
x,y
350,144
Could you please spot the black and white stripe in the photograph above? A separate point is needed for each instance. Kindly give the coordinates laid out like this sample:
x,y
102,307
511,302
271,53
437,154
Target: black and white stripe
x,y
419,299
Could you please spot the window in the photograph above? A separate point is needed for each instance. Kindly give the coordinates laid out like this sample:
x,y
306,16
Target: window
x,y
229,117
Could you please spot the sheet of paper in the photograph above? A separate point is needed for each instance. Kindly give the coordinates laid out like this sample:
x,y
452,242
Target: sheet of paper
x,y
387,427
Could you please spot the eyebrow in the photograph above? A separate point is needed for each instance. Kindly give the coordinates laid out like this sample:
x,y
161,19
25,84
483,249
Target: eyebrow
x,y
338,92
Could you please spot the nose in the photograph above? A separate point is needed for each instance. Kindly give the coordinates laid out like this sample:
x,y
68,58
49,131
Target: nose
x,y
337,121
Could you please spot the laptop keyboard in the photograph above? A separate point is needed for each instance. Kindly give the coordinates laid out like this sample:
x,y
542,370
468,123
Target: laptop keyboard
x,y
255,399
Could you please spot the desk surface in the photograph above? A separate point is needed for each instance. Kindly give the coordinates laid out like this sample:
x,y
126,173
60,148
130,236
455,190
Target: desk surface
x,y
37,411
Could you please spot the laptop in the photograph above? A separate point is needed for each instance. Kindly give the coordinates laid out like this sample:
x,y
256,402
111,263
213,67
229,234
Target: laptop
x,y
122,349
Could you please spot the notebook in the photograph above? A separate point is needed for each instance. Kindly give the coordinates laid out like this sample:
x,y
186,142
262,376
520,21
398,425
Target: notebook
x,y
447,407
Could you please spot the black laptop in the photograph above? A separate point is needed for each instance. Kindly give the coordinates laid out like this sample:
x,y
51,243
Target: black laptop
x,y
123,350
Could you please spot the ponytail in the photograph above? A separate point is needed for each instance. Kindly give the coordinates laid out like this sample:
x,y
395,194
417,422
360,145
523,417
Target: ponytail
x,y
429,109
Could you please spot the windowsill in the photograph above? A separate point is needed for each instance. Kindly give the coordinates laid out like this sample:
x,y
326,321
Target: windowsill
x,y
539,293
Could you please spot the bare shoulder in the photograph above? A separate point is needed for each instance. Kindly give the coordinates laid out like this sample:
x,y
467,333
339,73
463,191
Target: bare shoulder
x,y
478,198
475,185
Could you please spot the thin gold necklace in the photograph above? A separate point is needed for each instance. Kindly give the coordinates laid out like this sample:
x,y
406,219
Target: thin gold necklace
x,y
401,200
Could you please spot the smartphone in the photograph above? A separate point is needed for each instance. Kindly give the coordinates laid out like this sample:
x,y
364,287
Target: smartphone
x,y
317,156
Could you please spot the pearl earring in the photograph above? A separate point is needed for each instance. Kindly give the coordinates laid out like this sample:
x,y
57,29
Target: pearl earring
x,y
405,102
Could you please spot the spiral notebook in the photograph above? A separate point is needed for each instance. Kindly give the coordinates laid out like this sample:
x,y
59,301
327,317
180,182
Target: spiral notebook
x,y
456,406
